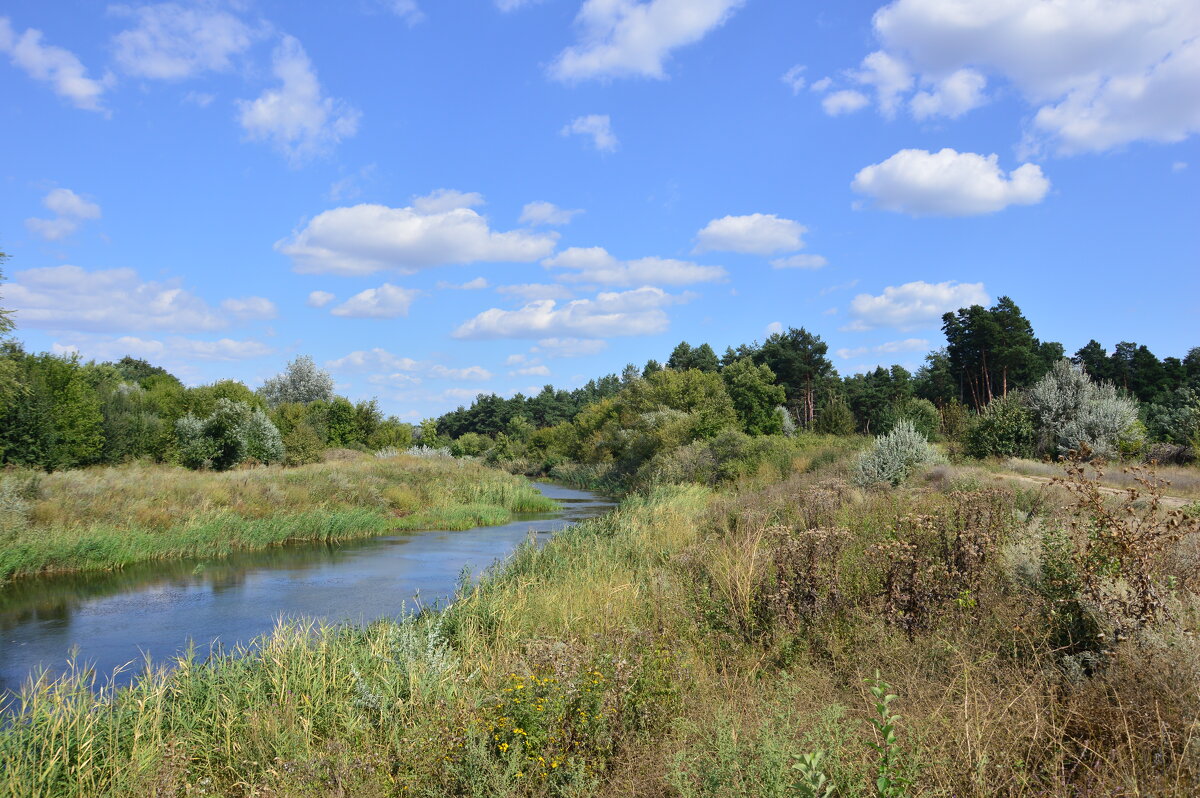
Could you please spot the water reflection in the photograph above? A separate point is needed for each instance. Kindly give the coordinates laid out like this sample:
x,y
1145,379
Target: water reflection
x,y
160,607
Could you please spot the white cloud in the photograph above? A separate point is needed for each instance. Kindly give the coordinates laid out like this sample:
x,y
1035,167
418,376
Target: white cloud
x,y
530,371
800,262
513,5
1179,166
821,85
625,38
60,68
444,200
846,101
570,347
598,126
478,284
363,239
533,291
949,183
636,312
319,299
794,78
1100,75
371,360
595,265
170,42
756,234
889,75
71,298
250,308
773,328
468,373
891,347
385,302
513,360
536,213
952,96
914,304
296,117
172,349
70,210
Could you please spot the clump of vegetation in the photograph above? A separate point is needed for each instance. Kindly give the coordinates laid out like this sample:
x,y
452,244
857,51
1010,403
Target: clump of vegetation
x,y
1074,414
894,456
234,433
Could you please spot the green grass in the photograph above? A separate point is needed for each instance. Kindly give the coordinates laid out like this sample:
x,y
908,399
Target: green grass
x,y
109,517
693,642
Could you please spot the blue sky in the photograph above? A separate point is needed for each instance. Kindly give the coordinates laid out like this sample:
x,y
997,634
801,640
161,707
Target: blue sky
x,y
439,198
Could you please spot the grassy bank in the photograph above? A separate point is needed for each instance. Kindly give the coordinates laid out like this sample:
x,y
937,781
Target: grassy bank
x,y
108,517
706,643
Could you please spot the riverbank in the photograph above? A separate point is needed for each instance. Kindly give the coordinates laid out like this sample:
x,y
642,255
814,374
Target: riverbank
x,y
701,643
104,518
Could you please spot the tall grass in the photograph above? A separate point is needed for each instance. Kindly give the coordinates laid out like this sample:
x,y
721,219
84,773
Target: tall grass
x,y
109,517
693,642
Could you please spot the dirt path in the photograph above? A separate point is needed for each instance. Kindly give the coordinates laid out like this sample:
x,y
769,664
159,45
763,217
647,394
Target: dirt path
x,y
1170,502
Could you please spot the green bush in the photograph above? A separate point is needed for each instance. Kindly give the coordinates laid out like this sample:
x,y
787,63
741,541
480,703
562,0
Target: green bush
x,y
1004,429
893,456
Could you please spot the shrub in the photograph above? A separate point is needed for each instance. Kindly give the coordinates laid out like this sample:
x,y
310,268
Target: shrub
x,y
1004,429
195,450
923,415
894,455
302,445
1074,414
263,442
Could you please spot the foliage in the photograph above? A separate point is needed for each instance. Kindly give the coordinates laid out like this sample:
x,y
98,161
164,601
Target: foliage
x,y
263,442
701,358
232,433
755,396
302,445
301,382
1004,428
1074,414
894,456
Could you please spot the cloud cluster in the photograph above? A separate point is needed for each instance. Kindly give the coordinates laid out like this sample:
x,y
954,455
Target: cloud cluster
x,y
434,231
596,265
69,209
755,234
173,42
61,68
949,183
113,300
914,304
610,314
626,38
394,369
385,302
296,117
1099,75
538,213
174,349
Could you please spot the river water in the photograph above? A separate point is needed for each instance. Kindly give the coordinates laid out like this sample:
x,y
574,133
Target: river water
x,y
110,619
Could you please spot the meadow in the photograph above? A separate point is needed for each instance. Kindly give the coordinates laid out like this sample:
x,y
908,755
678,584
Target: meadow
x,y
109,516
779,635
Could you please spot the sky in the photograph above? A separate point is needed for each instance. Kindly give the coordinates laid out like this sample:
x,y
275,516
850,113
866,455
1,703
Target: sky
x,y
437,198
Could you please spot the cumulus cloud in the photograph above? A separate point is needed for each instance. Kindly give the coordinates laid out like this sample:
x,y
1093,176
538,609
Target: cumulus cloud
x,y
468,373
392,369
774,328
889,76
444,200
534,291
636,312
250,308
407,10
1099,75
538,213
171,42
598,126
69,209
385,302
914,304
171,349
891,347
625,38
363,239
61,68
319,299
596,265
949,183
71,298
530,371
373,360
846,101
755,234
296,117
800,262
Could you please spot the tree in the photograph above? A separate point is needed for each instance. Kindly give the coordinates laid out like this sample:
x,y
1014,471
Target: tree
x,y
797,358
755,396
835,416
992,350
684,357
300,382
701,394
6,322
263,441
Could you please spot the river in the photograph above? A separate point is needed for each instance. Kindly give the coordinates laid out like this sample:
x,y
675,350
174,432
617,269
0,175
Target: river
x,y
158,609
